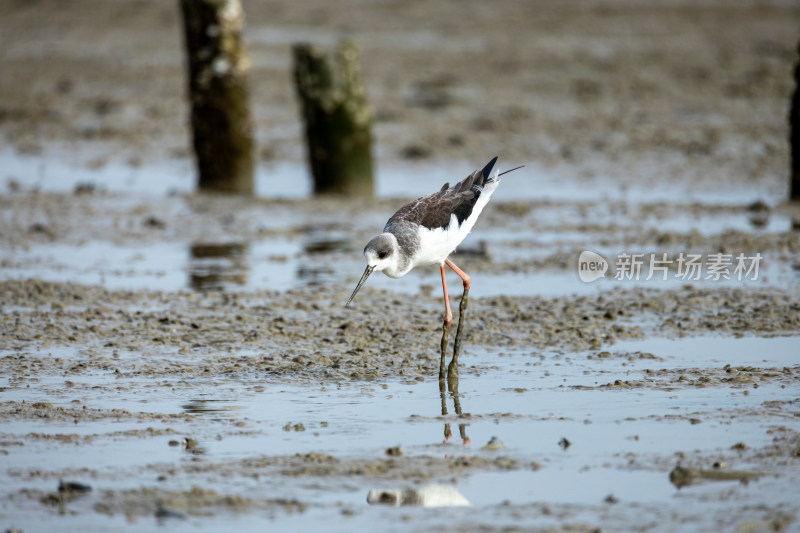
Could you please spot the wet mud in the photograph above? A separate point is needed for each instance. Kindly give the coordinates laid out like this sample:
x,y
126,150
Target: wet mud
x,y
169,359
308,333
74,345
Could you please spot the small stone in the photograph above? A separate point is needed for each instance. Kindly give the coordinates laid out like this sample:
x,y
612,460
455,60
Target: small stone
x,y
681,476
395,451
154,222
163,513
73,487
758,206
84,189
494,444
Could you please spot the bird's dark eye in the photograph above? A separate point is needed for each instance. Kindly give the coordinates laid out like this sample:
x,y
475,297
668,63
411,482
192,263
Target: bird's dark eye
x,y
382,255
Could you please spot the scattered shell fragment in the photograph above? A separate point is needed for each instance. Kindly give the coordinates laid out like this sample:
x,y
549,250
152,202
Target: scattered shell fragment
x,y
430,496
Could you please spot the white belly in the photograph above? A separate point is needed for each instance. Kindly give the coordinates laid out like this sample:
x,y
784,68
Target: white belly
x,y
437,244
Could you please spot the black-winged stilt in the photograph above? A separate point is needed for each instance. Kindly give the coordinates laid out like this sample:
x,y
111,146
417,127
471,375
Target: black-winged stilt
x,y
426,231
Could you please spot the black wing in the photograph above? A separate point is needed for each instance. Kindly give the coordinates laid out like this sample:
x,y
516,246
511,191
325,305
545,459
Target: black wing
x,y
434,211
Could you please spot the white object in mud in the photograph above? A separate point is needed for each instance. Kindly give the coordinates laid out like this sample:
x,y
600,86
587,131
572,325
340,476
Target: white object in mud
x,y
430,496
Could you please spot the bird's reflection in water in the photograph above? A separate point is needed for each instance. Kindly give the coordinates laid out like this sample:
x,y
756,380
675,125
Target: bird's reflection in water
x,y
202,406
452,385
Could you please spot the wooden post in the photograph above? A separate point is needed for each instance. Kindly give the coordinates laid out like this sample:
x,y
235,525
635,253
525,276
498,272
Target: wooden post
x,y
794,134
220,100
338,119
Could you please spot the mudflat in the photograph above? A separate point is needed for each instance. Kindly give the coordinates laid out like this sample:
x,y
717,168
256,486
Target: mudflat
x,y
183,360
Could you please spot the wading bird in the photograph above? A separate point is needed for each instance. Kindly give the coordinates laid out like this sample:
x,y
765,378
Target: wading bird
x,y
425,232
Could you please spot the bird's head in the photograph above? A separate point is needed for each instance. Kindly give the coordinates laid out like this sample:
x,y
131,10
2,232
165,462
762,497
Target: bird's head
x,y
380,253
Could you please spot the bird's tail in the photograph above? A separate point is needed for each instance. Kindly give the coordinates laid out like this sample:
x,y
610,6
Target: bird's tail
x,y
487,174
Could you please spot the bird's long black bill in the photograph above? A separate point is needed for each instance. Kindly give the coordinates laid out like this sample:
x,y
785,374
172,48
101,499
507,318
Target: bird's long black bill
x,y
367,272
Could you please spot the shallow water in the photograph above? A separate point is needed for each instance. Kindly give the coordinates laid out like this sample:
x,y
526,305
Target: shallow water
x,y
299,247
622,442
282,263
61,170
658,151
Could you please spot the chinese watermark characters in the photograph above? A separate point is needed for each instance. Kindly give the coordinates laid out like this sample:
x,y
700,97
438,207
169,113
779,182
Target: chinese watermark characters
x,y
686,266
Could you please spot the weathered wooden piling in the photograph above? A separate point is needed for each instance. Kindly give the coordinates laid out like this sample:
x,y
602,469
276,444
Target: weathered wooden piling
x,y
222,128
338,119
215,267
794,135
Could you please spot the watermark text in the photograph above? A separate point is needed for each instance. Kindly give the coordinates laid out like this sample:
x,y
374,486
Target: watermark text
x,y
661,266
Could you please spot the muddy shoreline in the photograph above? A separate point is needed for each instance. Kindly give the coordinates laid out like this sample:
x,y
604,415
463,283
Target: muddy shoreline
x,y
69,343
600,89
170,359
382,339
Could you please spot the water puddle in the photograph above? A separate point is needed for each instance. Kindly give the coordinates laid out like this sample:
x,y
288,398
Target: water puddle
x,y
588,487
568,447
703,351
61,170
302,248
217,266
530,418
283,263
718,223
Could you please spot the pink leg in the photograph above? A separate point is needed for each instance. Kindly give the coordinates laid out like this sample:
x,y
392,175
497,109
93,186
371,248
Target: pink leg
x,y
463,275
448,315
